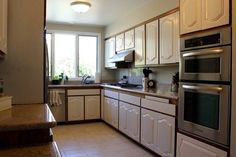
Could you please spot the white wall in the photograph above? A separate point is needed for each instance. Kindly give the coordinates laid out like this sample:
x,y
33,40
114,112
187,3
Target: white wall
x,y
233,116
22,69
150,10
105,74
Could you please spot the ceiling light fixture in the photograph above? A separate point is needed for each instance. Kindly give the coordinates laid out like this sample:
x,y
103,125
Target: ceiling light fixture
x,y
80,7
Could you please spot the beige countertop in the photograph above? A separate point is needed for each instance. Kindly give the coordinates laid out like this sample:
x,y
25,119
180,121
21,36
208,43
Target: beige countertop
x,y
81,86
163,92
26,117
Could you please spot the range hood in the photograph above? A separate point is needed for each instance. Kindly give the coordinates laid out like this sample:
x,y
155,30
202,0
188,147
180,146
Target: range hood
x,y
123,56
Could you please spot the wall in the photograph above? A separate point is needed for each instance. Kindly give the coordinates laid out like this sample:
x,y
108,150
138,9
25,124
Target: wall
x,y
148,11
22,69
233,116
105,74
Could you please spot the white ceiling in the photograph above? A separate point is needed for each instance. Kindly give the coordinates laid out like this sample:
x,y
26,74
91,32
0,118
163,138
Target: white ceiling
x,y
102,12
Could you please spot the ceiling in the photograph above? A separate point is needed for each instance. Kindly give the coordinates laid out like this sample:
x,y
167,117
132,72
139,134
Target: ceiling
x,y
102,12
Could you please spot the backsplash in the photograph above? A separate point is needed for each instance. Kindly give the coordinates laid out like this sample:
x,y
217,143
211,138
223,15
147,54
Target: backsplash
x,y
162,75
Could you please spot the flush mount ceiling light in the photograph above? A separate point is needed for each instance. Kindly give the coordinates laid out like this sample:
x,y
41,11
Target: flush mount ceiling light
x,y
80,7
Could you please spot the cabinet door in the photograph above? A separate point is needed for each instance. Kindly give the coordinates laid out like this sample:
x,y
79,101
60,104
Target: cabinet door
x,y
164,135
169,39
187,147
215,13
190,15
76,108
110,51
147,128
152,43
140,46
123,117
133,122
120,45
92,107
129,39
3,26
107,110
114,112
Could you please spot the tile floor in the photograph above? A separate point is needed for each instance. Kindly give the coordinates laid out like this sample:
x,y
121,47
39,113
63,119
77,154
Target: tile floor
x,y
95,140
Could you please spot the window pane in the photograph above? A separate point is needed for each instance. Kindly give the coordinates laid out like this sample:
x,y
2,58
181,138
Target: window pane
x,y
49,46
65,48
87,55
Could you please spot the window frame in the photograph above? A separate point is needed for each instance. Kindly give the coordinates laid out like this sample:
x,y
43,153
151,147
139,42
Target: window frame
x,y
77,34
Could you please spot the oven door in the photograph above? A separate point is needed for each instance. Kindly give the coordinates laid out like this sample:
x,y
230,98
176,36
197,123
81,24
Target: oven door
x,y
204,110
211,64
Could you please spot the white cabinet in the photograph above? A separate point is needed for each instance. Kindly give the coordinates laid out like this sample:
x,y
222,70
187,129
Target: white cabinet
x,y
129,120
187,147
140,46
92,107
110,51
203,14
75,108
120,42
215,13
158,132
129,39
152,53
169,39
3,26
111,111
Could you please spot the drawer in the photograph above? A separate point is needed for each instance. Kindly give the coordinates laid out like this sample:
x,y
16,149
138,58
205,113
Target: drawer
x,y
159,106
83,92
157,99
130,99
111,94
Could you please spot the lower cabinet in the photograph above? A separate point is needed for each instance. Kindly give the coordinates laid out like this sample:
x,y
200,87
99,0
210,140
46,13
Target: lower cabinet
x,y
92,107
111,111
158,132
75,108
187,147
129,120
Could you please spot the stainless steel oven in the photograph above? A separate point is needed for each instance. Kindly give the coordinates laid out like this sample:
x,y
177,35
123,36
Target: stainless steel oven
x,y
206,56
205,111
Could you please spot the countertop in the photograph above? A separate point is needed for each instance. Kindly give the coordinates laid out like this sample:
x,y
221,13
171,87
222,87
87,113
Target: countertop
x,y
161,91
26,117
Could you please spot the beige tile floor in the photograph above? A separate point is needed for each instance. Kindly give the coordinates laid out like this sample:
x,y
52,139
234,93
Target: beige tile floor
x,y
95,140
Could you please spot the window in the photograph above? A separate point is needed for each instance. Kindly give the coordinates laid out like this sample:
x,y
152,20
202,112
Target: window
x,y
72,54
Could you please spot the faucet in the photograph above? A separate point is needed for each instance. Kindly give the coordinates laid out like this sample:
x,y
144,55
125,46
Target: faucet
x,y
84,78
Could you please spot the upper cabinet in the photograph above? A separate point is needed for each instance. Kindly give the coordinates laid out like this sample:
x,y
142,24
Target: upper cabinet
x,y
198,15
129,39
110,51
169,39
3,26
120,39
140,46
152,52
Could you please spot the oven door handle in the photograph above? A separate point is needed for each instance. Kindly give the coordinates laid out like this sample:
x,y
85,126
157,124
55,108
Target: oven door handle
x,y
201,53
215,89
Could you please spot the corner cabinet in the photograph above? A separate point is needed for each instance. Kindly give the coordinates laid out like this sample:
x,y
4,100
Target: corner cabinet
x,y
92,107
169,39
3,26
187,147
140,46
111,111
152,33
198,15
110,51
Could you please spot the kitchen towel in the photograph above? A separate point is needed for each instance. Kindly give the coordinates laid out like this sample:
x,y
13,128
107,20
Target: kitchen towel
x,y
55,99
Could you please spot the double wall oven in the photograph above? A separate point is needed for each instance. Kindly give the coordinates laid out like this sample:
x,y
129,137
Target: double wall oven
x,y
205,87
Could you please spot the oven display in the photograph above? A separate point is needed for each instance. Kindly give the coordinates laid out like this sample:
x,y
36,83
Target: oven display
x,y
202,109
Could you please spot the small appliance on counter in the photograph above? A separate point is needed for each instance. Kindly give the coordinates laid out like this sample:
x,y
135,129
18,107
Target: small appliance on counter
x,y
124,80
145,80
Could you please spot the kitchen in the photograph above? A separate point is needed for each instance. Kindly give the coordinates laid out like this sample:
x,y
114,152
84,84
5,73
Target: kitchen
x,y
25,42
